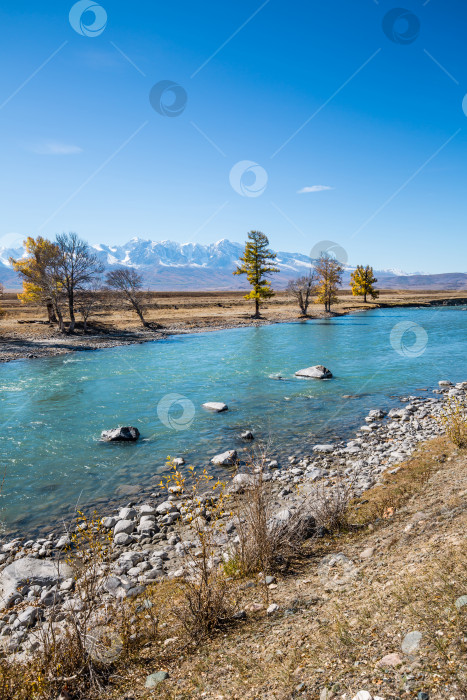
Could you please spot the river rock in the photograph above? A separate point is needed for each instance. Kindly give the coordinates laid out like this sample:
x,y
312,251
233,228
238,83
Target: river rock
x,y
126,526
247,435
41,572
323,448
316,372
122,434
225,458
215,406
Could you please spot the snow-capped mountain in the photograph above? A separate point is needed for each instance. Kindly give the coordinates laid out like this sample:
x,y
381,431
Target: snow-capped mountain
x,y
167,265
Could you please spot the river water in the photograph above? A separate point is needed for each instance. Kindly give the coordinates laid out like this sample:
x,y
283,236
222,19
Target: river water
x,y
53,410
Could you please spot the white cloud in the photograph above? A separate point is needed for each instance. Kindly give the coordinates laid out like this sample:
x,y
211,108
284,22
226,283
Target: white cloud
x,y
55,148
314,188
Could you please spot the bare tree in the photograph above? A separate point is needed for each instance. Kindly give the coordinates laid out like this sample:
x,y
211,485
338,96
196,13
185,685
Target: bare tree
x,y
129,283
87,299
302,289
78,267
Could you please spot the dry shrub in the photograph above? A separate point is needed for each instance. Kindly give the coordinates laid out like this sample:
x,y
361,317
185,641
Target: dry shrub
x,y
208,596
454,421
266,542
330,505
74,650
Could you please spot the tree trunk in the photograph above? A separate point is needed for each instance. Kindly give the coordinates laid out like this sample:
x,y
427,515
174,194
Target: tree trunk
x,y
85,326
140,314
61,325
51,312
256,308
71,328
364,297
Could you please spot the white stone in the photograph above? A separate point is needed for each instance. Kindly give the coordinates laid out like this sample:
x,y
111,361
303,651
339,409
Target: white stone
x,y
225,458
315,372
215,406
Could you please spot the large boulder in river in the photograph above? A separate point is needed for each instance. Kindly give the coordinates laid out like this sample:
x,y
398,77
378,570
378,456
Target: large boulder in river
x,y
215,406
316,372
225,459
123,434
40,572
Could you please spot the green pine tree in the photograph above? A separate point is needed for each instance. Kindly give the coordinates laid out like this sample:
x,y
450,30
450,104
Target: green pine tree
x,y
256,265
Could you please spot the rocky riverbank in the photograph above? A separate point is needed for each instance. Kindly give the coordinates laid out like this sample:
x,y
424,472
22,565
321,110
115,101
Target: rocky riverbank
x,y
152,541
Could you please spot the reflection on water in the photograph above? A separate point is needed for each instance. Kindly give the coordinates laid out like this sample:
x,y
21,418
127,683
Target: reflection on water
x,y
52,411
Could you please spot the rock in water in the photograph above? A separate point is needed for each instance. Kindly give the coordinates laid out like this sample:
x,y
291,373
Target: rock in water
x,y
226,458
45,572
215,406
123,434
316,372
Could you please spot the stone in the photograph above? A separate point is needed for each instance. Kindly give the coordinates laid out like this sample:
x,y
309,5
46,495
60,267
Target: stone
x,y
126,526
390,660
165,507
445,382
127,514
367,553
411,642
178,461
122,539
323,448
273,608
215,406
28,617
316,372
283,515
269,579
225,458
247,435
377,414
122,434
363,695
460,602
62,542
109,522
423,696
31,571
155,678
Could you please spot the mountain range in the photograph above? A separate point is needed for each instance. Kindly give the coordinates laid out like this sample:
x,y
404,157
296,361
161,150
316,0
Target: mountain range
x,y
167,265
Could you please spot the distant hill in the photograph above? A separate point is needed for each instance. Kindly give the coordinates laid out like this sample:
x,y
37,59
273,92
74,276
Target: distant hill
x,y
166,265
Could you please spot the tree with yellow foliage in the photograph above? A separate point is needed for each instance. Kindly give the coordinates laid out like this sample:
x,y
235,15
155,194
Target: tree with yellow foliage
x,y
362,281
256,265
329,272
38,271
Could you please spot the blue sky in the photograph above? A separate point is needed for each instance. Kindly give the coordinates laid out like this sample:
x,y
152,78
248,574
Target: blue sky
x,y
316,94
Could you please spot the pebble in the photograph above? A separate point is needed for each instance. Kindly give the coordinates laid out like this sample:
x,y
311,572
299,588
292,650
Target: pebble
x,y
411,642
155,678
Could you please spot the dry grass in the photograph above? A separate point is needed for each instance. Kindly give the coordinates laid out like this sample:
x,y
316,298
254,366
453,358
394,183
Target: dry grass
x,y
454,421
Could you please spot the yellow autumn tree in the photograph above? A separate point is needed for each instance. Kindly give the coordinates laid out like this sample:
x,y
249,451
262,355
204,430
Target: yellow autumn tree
x,y
38,272
329,272
256,265
362,282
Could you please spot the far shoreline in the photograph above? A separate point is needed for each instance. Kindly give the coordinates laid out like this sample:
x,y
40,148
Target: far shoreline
x,y
25,339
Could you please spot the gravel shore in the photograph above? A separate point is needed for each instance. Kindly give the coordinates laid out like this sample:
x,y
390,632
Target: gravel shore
x,y
151,540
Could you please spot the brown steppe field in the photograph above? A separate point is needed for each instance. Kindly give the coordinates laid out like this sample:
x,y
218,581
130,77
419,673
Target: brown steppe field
x,y
24,331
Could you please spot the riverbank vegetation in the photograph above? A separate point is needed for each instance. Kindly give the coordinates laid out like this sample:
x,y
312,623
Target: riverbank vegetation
x,y
339,618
